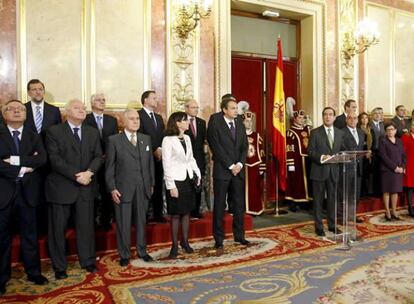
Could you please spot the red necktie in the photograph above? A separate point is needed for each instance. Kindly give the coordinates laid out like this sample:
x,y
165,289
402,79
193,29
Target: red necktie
x,y
193,130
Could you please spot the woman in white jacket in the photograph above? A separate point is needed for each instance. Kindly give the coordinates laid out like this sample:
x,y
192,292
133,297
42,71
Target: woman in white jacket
x,y
181,175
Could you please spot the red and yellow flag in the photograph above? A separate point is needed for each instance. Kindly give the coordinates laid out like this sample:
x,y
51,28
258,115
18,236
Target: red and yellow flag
x,y
279,126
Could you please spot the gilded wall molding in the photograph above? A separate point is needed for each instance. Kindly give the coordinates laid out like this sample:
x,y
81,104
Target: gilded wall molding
x,y
88,63
313,8
348,76
182,63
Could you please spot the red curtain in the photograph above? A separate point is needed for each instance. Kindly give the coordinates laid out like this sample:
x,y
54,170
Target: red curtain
x,y
248,83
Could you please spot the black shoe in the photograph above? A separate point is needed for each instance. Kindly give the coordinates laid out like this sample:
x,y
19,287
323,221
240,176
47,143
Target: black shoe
x,y
61,275
2,289
186,247
396,217
124,262
173,252
320,233
38,279
242,241
359,220
91,268
411,214
218,245
336,231
387,218
147,258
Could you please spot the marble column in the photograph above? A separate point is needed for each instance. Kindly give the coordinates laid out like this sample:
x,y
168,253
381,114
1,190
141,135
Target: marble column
x,y
8,76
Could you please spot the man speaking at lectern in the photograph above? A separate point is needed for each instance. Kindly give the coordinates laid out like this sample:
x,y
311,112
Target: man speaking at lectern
x,y
325,141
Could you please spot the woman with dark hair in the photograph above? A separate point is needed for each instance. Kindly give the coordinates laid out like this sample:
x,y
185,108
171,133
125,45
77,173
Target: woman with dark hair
x,y
367,187
180,171
392,168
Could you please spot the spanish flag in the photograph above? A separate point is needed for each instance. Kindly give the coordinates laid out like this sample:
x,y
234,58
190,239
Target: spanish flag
x,y
279,126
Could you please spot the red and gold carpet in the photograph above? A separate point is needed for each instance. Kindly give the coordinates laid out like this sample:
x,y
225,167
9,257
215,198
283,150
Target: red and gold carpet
x,y
114,284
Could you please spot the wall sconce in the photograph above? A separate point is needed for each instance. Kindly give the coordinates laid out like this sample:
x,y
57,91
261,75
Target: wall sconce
x,y
366,35
189,15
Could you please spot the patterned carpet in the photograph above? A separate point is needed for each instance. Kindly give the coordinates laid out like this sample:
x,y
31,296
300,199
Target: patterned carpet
x,y
283,264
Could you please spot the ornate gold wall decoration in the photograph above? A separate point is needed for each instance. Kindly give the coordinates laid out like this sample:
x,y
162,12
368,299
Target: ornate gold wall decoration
x,y
348,77
182,63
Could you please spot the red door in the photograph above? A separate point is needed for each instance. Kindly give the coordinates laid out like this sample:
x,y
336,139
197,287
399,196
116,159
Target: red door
x,y
248,84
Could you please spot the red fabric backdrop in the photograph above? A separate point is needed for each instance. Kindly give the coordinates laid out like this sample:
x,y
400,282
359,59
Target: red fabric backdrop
x,y
248,84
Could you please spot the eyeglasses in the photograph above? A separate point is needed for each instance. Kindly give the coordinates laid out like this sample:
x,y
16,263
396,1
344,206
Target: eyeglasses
x,y
14,109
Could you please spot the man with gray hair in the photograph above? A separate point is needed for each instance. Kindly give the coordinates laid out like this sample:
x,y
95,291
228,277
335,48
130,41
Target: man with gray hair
x,y
107,125
75,156
130,178
377,130
197,133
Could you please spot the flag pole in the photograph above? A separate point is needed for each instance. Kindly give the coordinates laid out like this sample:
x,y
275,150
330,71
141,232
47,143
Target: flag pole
x,y
278,211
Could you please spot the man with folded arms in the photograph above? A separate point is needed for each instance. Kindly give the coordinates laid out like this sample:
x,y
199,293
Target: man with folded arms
x,y
75,156
21,153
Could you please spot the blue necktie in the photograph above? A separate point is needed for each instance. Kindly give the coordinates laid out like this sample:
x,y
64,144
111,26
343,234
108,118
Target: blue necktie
x,y
38,119
99,123
232,130
16,141
76,134
153,119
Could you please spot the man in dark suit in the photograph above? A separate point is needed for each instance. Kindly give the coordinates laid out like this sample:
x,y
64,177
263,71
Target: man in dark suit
x,y
21,153
400,121
377,126
153,125
41,115
354,140
75,156
324,142
197,133
130,178
227,138
350,106
107,125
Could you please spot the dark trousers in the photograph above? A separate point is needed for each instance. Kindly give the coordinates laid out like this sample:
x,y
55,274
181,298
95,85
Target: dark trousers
x,y
103,204
409,192
235,188
28,236
319,189
156,199
85,233
124,213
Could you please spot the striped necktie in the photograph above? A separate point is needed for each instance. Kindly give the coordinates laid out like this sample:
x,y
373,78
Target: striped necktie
x,y
38,119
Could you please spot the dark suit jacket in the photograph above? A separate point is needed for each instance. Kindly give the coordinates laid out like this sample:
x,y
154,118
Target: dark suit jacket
x,y
29,144
318,146
340,121
68,157
147,127
110,127
226,151
51,116
349,144
197,143
376,134
399,125
122,167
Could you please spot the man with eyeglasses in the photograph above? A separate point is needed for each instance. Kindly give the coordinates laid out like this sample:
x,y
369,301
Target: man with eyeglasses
x,y
197,133
21,153
107,125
